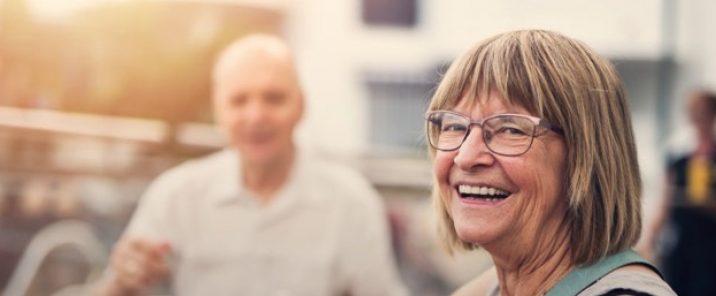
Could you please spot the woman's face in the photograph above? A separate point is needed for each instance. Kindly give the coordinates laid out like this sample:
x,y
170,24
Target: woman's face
x,y
532,181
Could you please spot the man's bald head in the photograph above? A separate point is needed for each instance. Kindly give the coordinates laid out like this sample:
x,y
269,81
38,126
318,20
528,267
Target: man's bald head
x,y
257,99
256,47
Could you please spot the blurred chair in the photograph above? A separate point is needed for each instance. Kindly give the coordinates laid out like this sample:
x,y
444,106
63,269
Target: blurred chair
x,y
71,233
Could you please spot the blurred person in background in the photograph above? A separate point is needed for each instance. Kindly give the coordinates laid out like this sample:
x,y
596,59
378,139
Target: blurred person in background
x,y
535,162
689,202
263,216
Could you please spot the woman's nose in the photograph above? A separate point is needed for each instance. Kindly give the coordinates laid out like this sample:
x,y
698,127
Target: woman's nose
x,y
473,152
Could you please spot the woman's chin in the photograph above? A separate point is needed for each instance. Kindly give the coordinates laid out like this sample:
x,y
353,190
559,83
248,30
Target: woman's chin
x,y
475,235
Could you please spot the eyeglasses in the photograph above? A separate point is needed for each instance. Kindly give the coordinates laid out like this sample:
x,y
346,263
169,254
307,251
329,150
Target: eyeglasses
x,y
504,134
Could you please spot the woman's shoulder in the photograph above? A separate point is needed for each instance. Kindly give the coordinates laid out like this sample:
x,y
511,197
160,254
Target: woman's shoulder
x,y
482,285
630,280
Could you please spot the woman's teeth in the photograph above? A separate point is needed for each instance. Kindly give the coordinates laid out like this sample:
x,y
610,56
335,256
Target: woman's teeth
x,y
482,192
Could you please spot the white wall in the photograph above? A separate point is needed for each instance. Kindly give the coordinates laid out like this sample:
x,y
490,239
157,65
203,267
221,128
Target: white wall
x,y
317,30
696,46
614,28
334,47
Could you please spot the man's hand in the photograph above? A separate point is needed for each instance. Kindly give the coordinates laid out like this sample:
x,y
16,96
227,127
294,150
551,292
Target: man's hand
x,y
136,265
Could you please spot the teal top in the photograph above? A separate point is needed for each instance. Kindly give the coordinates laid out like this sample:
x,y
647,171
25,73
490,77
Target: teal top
x,y
582,277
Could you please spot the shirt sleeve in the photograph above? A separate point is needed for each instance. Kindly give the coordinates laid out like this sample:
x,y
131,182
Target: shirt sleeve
x,y
367,258
152,218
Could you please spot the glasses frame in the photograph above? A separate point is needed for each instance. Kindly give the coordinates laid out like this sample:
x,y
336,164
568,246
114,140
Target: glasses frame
x,y
538,122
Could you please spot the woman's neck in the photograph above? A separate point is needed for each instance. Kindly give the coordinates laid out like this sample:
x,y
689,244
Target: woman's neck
x,y
537,267
526,281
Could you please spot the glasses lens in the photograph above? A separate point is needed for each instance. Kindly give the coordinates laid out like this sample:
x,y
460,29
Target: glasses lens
x,y
446,131
508,135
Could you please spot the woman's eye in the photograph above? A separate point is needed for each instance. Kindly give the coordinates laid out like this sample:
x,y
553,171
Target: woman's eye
x,y
511,131
453,128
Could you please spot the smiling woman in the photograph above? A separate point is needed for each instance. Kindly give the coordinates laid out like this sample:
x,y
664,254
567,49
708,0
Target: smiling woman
x,y
534,161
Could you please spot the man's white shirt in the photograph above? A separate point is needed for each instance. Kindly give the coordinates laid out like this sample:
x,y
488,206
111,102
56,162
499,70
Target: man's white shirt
x,y
324,233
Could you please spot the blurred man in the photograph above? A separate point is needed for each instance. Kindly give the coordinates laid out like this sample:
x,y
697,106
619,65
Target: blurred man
x,y
262,217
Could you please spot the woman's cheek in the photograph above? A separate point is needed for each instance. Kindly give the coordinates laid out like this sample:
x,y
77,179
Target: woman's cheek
x,y
441,169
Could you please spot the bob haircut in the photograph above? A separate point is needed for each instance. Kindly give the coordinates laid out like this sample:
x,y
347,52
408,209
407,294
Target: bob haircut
x,y
562,80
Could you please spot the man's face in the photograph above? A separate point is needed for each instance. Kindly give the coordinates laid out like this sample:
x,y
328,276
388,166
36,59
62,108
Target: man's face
x,y
257,104
701,113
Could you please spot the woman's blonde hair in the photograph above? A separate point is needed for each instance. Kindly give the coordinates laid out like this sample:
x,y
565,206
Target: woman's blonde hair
x,y
562,80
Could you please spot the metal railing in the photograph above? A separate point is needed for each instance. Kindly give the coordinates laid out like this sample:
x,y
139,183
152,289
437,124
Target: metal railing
x,y
64,233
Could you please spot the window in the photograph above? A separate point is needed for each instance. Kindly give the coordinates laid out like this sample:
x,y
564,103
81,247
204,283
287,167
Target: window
x,y
400,13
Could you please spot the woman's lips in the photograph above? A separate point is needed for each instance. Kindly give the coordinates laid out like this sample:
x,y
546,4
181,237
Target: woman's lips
x,y
481,194
482,191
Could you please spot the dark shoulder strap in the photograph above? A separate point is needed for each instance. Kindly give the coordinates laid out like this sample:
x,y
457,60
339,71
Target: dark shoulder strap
x,y
582,277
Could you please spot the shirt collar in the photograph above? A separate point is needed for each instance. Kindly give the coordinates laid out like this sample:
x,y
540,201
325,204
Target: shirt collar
x,y
227,180
228,188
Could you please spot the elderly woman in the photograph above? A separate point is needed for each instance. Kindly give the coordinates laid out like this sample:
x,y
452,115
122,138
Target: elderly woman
x,y
534,162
